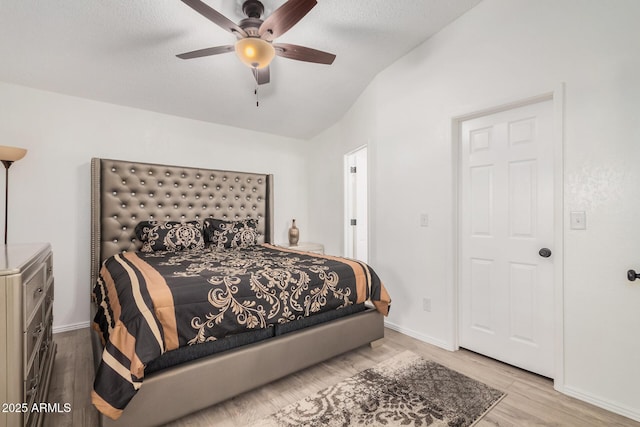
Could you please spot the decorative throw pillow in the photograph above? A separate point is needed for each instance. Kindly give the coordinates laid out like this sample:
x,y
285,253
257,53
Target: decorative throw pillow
x,y
170,235
231,234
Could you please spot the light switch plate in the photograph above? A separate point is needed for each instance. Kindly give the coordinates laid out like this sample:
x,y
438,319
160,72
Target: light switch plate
x,y
578,220
424,220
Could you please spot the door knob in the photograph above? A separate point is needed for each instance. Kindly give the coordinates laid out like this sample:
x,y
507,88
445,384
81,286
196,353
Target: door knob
x,y
632,275
544,252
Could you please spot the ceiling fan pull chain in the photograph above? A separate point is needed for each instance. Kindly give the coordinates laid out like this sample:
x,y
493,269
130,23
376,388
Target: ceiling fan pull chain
x,y
255,91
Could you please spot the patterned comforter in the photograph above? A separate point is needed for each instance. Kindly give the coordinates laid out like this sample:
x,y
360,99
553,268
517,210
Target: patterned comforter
x,y
150,303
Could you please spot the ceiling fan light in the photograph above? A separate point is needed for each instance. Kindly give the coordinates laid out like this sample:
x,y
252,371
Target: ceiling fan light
x,y
255,52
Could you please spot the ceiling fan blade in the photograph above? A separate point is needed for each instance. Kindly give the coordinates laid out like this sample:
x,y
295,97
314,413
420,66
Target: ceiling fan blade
x,y
301,53
215,17
262,75
285,17
206,52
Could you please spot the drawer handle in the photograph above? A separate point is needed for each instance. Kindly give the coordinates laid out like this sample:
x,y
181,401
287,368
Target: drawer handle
x,y
38,292
32,390
38,330
34,387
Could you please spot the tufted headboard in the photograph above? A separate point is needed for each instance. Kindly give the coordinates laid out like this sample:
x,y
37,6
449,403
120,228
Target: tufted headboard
x,y
124,193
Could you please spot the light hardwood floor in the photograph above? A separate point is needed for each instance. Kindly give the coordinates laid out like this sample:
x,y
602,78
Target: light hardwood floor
x,y
530,401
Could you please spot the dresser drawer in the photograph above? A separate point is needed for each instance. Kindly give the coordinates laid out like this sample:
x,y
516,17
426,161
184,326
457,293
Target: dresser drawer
x,y
45,346
48,268
35,332
31,389
34,289
48,299
32,381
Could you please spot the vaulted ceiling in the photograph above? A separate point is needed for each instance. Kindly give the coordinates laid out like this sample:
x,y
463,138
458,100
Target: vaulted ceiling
x,y
123,52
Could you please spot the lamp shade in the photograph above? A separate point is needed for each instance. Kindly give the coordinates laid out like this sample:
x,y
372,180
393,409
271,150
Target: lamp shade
x,y
11,154
255,52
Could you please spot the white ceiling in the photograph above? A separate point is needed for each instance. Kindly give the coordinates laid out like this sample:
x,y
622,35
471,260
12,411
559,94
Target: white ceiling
x,y
123,52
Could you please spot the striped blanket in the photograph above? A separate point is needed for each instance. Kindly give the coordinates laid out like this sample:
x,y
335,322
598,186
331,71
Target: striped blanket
x,y
151,303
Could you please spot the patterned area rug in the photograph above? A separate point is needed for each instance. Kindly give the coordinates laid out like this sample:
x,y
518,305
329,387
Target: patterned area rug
x,y
405,390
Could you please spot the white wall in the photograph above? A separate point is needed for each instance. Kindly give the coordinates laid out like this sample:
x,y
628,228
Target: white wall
x,y
499,52
50,187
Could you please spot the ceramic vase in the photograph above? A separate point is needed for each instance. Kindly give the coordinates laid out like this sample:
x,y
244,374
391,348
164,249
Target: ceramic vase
x,y
294,234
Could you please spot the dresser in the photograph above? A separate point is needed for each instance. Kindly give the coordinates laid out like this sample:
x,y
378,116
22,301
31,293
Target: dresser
x,y
26,346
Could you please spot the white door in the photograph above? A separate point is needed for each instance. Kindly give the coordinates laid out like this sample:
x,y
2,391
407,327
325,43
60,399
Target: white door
x,y
506,223
356,235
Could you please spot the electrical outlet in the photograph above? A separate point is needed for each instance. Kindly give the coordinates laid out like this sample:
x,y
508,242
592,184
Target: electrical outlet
x,y
426,304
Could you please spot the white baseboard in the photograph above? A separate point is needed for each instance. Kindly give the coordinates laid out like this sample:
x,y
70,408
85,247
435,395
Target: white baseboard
x,y
72,327
420,336
602,403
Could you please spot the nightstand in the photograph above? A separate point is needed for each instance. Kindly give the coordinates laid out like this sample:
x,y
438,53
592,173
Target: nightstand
x,y
317,248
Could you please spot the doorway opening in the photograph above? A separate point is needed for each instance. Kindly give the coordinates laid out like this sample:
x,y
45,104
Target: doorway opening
x,y
356,241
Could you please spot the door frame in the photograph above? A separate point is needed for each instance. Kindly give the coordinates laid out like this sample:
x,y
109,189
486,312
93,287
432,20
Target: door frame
x,y
557,98
348,235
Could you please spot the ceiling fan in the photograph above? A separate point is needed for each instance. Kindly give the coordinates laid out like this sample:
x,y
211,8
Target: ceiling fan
x,y
255,46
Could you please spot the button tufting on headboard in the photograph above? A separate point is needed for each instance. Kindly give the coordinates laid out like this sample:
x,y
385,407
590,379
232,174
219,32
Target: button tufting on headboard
x,y
124,193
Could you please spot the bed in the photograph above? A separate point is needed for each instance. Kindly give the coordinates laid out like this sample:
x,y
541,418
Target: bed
x,y
124,194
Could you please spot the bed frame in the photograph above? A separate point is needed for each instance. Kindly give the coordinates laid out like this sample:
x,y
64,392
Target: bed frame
x,y
124,193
